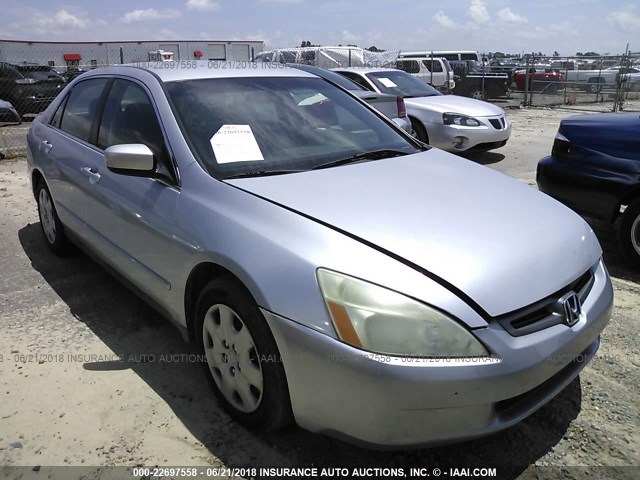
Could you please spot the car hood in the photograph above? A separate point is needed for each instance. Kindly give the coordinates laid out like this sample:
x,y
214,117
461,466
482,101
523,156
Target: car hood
x,y
454,104
502,243
614,134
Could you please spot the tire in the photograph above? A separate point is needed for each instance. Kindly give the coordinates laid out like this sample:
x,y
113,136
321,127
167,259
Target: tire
x,y
476,94
629,233
594,87
52,228
420,131
243,366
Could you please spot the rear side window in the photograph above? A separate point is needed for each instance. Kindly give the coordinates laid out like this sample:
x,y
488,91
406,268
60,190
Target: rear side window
x,y
81,108
469,56
432,66
358,79
57,117
409,66
452,57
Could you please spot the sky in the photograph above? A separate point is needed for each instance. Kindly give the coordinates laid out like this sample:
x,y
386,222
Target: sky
x,y
510,26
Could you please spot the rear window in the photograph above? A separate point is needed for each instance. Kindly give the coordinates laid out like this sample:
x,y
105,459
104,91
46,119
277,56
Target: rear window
x,y
469,56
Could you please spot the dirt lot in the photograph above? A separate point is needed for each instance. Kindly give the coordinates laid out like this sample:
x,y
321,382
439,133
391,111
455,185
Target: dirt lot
x,y
66,400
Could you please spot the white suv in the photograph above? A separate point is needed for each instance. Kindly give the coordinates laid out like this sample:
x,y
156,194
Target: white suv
x,y
433,70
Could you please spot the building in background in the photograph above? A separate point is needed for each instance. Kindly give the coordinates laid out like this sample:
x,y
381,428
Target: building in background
x,y
85,55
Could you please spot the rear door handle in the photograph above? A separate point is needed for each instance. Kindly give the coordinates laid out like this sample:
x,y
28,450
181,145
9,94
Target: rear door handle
x,y
94,177
47,146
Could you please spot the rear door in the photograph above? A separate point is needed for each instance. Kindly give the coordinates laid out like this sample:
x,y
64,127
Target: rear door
x,y
64,147
433,73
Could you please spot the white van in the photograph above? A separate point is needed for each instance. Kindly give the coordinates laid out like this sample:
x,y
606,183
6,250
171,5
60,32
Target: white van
x,y
432,70
450,55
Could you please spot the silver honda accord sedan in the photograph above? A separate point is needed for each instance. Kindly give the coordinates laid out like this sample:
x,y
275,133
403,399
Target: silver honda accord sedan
x,y
334,271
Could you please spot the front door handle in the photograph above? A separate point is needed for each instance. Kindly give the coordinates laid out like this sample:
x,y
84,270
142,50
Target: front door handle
x,y
94,177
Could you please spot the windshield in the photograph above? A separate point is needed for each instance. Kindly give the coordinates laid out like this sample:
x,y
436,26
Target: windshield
x,y
39,73
399,83
258,125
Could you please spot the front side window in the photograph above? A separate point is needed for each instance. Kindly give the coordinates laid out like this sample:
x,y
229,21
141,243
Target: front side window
x,y
129,117
240,126
81,108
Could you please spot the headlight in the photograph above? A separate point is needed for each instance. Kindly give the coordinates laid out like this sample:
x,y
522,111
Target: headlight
x,y
459,119
373,318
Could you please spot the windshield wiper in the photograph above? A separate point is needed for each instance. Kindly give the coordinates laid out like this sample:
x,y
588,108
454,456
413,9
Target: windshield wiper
x,y
374,155
261,173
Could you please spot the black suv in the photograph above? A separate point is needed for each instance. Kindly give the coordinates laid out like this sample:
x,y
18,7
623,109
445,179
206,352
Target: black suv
x,y
29,88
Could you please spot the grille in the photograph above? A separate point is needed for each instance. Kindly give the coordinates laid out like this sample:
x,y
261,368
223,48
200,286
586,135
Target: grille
x,y
498,123
544,314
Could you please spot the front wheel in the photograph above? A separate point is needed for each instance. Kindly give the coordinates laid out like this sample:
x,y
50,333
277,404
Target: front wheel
x,y
420,132
51,226
629,233
243,363
476,95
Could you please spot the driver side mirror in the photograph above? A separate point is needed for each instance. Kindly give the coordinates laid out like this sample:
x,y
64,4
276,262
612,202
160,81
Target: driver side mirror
x,y
130,158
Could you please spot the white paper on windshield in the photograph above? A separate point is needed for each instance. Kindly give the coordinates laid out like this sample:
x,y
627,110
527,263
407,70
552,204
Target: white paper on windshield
x,y
387,83
235,143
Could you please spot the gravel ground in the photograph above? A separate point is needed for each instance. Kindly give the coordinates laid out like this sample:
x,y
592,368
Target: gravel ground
x,y
66,401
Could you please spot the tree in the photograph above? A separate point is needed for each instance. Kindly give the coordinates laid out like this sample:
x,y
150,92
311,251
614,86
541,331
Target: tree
x,y
556,54
373,48
498,55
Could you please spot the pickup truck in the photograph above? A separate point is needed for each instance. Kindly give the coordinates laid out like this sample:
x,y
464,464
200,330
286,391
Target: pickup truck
x,y
592,80
546,81
435,71
470,80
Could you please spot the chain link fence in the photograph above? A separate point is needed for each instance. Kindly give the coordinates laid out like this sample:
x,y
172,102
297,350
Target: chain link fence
x,y
606,83
32,74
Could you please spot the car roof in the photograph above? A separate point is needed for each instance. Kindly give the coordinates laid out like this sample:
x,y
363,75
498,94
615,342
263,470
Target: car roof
x,y
364,70
334,77
173,71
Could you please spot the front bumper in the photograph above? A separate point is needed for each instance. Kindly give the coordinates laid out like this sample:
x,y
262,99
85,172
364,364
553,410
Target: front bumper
x,y
586,187
391,402
447,137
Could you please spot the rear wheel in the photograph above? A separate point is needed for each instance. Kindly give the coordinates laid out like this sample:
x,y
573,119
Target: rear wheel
x,y
243,364
476,94
51,226
594,86
629,233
